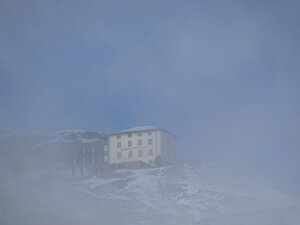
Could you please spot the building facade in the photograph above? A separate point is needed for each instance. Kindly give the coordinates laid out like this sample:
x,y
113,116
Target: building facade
x,y
147,144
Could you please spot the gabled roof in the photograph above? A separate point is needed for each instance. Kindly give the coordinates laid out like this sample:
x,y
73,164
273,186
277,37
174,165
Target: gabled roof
x,y
141,129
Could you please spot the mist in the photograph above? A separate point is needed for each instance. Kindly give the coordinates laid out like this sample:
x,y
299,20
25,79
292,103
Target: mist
x,y
222,76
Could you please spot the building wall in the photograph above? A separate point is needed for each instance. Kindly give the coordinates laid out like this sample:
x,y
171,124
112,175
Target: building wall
x,y
92,153
163,145
133,153
168,147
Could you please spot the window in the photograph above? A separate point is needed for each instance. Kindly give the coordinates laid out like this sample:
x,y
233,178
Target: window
x,y
129,143
150,152
105,148
140,153
118,136
130,154
149,132
130,135
149,141
119,155
119,145
105,158
140,142
139,134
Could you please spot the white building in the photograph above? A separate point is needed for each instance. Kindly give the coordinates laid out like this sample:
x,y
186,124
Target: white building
x,y
147,144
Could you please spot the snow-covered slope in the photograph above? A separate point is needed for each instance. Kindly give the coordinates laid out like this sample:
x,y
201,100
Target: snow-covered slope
x,y
80,136
185,193
65,136
171,195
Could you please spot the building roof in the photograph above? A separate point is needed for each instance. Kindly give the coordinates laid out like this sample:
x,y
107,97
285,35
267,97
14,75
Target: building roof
x,y
140,129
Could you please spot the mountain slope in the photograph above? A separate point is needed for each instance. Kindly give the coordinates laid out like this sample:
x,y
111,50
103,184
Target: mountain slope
x,y
188,193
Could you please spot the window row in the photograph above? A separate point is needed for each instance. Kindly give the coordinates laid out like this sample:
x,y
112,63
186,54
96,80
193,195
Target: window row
x,y
129,144
140,153
139,134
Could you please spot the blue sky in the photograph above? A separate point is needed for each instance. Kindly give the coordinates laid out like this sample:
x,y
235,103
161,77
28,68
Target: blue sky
x,y
222,75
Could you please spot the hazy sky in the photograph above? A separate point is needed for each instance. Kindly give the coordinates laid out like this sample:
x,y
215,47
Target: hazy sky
x,y
222,75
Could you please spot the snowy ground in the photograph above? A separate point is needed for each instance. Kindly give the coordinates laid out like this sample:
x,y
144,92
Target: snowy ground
x,y
186,194
198,193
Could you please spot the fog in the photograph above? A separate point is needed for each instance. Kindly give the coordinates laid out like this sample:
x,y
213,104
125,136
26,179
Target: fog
x,y
221,75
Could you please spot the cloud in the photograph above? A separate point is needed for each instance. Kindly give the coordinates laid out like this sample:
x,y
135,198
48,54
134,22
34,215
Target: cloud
x,y
222,75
